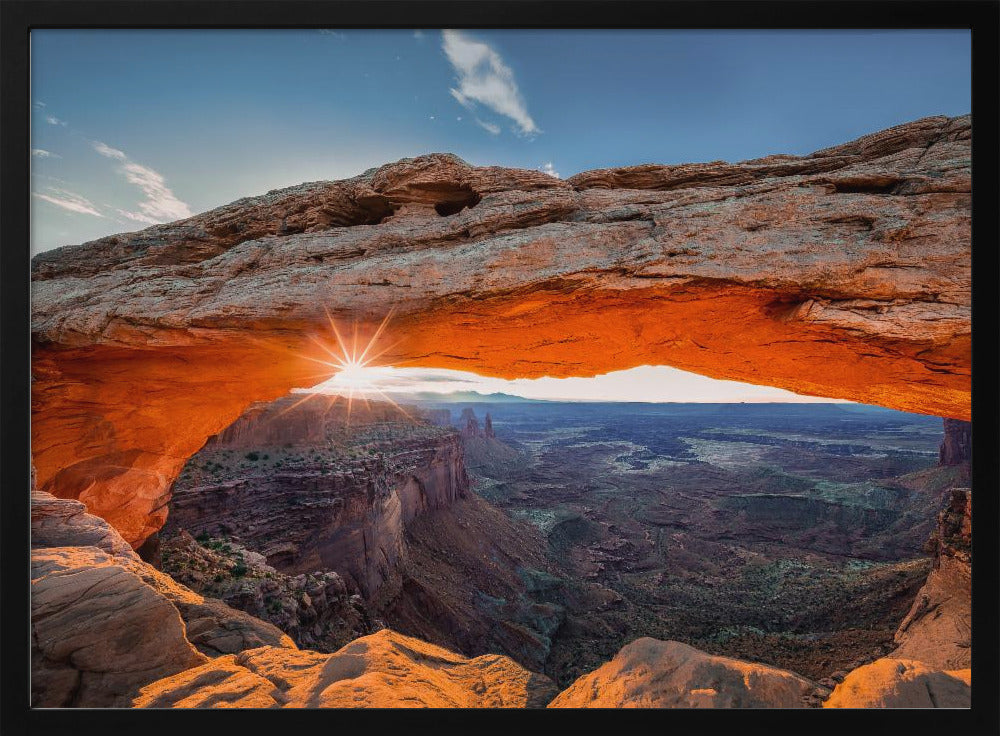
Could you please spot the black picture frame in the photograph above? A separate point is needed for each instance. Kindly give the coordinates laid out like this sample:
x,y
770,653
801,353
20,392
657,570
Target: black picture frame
x,y
19,17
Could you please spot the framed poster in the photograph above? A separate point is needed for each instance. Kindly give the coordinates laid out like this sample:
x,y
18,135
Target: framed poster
x,y
532,357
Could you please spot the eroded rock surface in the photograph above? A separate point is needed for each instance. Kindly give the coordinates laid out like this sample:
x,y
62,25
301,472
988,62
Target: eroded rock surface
x,y
98,631
105,624
332,526
321,490
956,448
383,670
315,609
212,626
649,673
902,683
845,273
938,628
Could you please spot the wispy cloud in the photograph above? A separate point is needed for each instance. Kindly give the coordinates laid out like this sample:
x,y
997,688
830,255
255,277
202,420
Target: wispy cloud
x,y
137,217
53,120
549,169
488,127
330,32
42,153
105,150
484,78
38,104
68,201
161,204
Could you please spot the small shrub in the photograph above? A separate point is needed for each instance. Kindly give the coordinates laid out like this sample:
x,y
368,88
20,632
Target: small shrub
x,y
255,456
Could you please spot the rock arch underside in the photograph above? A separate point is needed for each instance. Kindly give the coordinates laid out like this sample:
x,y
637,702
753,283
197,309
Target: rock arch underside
x,y
845,273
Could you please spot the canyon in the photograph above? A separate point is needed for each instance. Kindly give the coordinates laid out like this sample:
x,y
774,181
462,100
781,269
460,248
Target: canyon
x,y
464,556
791,535
845,273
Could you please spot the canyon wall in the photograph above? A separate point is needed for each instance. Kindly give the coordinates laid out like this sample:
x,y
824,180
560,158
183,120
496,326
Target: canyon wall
x,y
956,447
845,273
316,514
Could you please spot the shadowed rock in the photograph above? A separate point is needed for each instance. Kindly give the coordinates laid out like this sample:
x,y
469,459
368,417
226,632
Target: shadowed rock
x,y
956,448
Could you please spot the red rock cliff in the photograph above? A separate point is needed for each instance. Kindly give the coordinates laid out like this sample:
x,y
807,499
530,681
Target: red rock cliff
x,y
307,512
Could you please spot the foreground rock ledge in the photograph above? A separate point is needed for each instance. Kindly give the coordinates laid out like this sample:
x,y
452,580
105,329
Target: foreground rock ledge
x,y
110,630
846,273
902,683
649,673
382,670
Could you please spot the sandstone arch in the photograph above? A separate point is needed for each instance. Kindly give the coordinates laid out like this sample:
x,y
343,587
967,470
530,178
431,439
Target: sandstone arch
x,y
846,273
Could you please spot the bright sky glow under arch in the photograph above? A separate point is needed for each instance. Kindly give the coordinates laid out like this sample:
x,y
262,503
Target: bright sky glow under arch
x,y
646,383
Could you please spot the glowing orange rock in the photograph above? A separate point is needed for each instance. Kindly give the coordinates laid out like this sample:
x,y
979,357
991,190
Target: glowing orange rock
x,y
382,670
845,274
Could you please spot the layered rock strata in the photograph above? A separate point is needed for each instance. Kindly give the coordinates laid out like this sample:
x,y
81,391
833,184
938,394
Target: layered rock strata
x,y
329,493
956,448
845,273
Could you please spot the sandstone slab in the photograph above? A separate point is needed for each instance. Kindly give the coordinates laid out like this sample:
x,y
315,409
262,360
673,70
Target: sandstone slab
x,y
902,683
649,673
98,631
212,626
382,670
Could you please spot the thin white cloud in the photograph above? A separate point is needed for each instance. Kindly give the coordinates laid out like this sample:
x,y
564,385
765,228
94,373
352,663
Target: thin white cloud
x,y
42,153
484,78
68,201
38,104
488,127
549,169
53,120
161,204
418,34
137,217
461,99
330,32
106,150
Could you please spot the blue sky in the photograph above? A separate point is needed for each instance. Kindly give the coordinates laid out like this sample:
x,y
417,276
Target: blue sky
x,y
135,127
131,128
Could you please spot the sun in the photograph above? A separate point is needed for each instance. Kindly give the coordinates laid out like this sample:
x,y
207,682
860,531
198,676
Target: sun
x,y
355,374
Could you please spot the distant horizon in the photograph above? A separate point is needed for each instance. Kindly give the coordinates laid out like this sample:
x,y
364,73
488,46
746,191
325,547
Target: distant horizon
x,y
643,384
119,147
